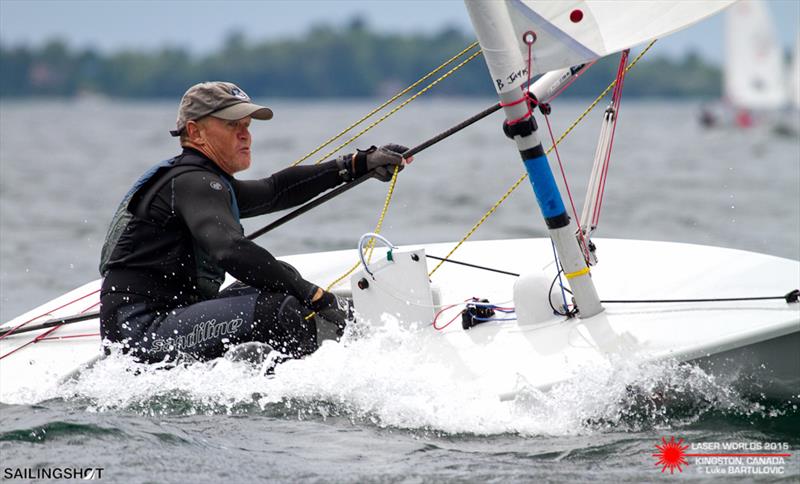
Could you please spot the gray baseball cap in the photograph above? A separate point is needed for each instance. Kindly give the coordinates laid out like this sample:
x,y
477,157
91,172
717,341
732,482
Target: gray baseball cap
x,y
223,100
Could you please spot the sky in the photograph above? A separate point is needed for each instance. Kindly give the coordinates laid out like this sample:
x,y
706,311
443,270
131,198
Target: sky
x,y
201,25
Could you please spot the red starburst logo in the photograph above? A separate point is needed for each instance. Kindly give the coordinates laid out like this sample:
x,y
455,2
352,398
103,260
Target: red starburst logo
x,y
671,455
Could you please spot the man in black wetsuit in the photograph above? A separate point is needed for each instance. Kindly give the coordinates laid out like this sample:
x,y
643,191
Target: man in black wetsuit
x,y
177,232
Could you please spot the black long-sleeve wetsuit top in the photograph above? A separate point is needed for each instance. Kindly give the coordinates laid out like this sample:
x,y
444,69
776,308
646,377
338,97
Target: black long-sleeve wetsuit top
x,y
190,221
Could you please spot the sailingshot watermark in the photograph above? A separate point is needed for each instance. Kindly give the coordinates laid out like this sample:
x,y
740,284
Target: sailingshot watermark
x,y
737,458
38,473
201,332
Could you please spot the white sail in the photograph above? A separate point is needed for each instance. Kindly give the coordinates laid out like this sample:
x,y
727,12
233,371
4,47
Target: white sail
x,y
754,72
794,74
573,32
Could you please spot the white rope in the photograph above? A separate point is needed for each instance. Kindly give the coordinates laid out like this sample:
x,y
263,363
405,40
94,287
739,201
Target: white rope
x,y
588,221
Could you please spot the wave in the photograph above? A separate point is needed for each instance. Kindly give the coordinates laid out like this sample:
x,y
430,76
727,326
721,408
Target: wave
x,y
387,379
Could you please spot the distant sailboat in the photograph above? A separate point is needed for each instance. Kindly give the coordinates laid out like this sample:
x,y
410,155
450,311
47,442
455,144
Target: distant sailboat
x,y
794,74
754,73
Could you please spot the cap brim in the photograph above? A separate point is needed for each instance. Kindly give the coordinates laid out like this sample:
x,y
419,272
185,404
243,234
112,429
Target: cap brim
x,y
243,110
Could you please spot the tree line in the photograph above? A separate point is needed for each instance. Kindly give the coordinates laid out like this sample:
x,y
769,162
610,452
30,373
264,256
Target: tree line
x,y
349,61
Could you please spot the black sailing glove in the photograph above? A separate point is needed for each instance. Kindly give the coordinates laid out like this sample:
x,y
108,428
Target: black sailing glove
x,y
334,309
381,160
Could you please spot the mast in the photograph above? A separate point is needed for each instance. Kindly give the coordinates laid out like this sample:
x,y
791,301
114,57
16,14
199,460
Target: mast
x,y
497,38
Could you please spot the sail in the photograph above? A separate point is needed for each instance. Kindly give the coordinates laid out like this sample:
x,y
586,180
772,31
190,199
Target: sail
x,y
572,32
794,74
754,72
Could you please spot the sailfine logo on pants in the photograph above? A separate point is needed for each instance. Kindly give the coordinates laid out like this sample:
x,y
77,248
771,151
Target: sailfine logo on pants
x,y
201,332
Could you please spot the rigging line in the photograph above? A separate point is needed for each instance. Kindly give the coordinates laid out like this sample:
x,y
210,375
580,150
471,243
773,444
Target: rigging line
x,y
50,323
616,99
34,340
399,107
378,226
789,298
391,100
475,266
347,186
16,329
560,269
569,192
522,178
567,311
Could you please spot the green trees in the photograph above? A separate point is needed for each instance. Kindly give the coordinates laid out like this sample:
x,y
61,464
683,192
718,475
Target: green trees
x,y
352,61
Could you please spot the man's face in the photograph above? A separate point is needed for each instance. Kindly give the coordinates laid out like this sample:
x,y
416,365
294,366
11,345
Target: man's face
x,y
226,142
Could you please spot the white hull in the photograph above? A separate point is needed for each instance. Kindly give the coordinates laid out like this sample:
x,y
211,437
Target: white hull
x,y
757,342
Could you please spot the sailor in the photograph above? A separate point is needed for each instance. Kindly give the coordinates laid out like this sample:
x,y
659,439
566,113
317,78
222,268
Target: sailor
x,y
177,232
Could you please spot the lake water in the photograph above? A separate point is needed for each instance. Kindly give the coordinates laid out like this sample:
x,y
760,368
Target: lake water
x,y
65,165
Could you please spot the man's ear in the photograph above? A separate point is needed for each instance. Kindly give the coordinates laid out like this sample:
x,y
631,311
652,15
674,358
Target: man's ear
x,y
193,131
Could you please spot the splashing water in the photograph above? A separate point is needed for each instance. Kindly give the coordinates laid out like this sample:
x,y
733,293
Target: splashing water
x,y
387,378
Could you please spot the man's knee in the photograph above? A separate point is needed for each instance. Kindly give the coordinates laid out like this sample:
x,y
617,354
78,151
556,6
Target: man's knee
x,y
285,324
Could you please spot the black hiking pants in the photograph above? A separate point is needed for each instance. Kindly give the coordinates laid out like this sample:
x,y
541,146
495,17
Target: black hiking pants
x,y
153,332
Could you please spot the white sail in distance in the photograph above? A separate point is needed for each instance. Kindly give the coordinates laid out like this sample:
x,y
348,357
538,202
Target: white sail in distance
x,y
572,32
754,67
794,74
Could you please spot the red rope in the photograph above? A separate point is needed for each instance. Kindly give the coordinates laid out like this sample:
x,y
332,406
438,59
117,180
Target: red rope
x,y
46,337
572,79
566,184
525,116
524,97
514,103
34,340
446,308
558,157
616,98
12,330
90,307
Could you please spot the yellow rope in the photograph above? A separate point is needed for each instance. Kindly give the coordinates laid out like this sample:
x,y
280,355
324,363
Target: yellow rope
x,y
378,227
393,182
393,99
398,107
523,177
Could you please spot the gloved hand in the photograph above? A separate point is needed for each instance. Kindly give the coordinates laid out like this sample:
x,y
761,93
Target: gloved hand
x,y
382,160
334,309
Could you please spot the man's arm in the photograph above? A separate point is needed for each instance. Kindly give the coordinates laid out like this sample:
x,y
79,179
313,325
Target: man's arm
x,y
287,188
293,186
206,210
